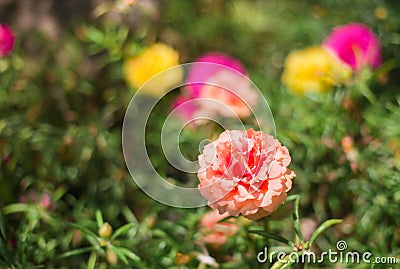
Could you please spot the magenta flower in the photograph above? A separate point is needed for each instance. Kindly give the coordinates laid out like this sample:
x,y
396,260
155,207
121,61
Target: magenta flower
x,y
202,73
6,40
233,102
355,44
184,108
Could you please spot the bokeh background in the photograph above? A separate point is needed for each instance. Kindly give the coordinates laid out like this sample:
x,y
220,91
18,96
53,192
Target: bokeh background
x,y
63,97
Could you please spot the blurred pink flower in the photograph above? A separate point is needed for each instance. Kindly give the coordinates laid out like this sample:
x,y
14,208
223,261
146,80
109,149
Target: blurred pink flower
x,y
185,109
228,93
44,200
355,44
245,172
216,232
202,73
130,2
224,83
6,40
30,197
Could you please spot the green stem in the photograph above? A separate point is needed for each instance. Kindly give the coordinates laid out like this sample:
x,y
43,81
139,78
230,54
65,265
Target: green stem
x,y
296,219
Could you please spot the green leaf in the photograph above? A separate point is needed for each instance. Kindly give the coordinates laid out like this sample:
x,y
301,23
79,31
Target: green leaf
x,y
321,228
272,236
122,230
95,35
287,265
296,218
2,227
130,217
367,93
76,252
99,218
92,261
129,254
16,208
84,230
59,193
283,263
120,254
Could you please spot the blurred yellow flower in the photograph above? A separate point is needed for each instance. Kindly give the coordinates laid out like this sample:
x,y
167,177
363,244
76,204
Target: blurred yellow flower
x,y
151,61
313,70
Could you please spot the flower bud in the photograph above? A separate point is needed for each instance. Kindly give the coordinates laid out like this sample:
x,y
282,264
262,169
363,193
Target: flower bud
x,y
181,259
105,230
112,257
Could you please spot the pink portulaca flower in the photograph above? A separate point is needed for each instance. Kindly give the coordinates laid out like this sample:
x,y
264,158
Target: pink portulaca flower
x,y
223,86
216,232
245,172
229,94
185,109
43,200
355,44
202,73
6,40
